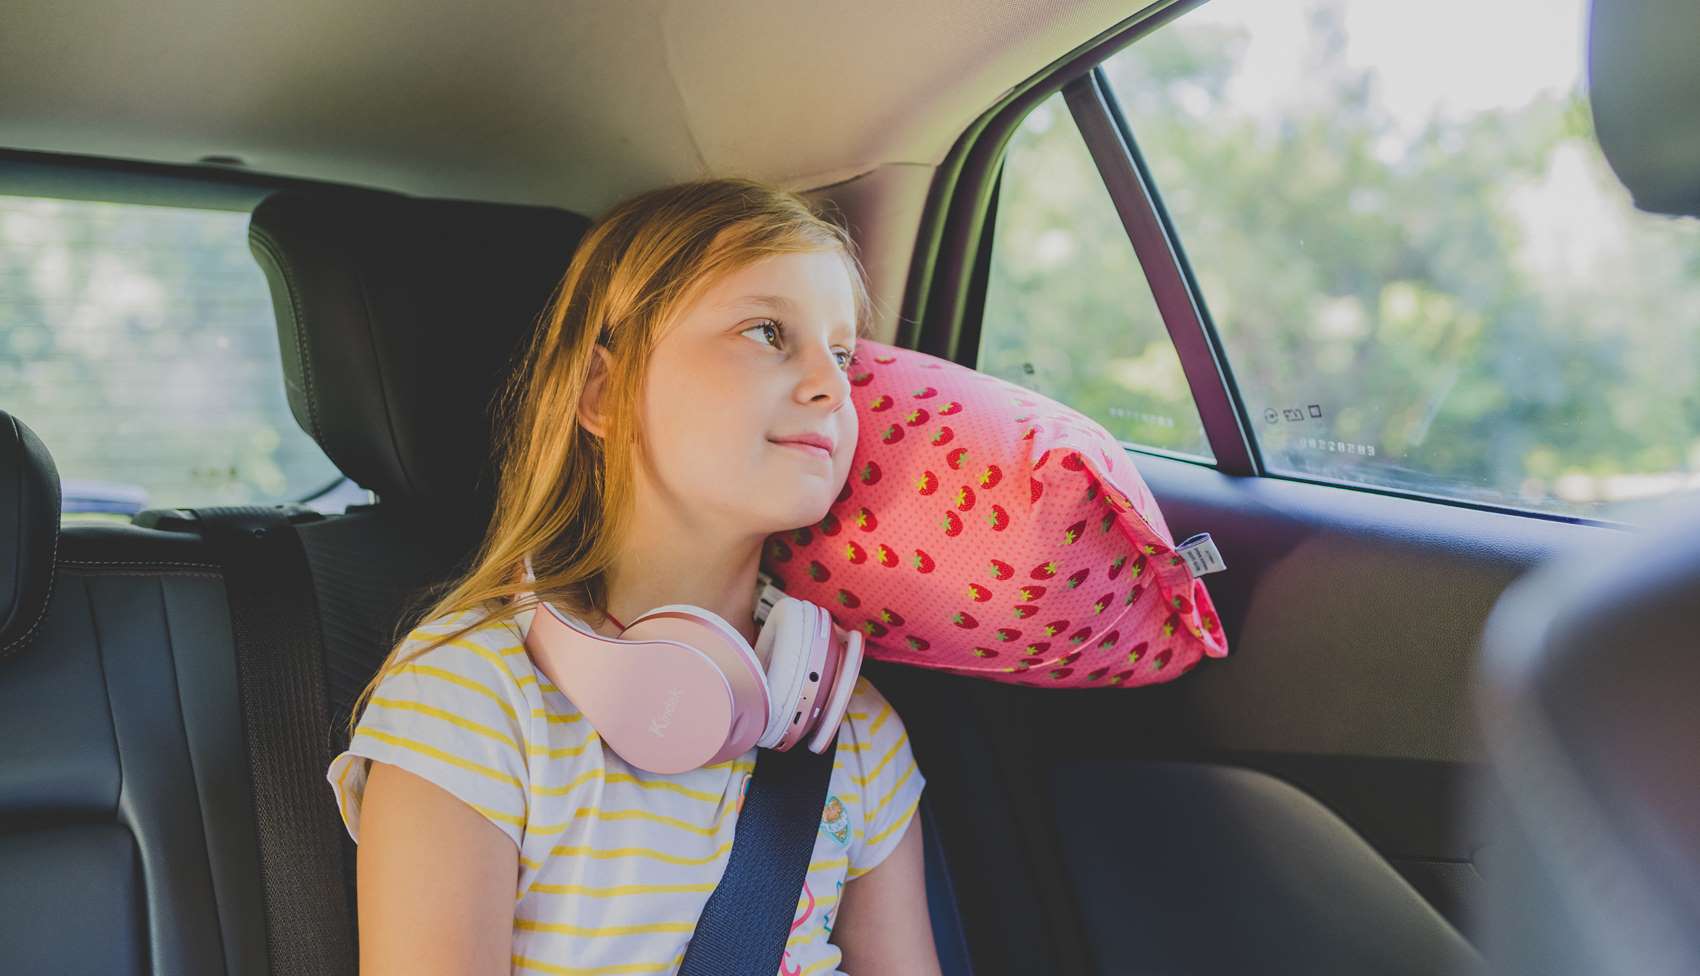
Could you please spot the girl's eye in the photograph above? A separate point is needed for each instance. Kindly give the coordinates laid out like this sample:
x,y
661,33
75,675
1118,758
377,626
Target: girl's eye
x,y
767,324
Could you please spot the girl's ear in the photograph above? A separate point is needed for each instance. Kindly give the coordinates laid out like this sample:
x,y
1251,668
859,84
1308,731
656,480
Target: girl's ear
x,y
591,401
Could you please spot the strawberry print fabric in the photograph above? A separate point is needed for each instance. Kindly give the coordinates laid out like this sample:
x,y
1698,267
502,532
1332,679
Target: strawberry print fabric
x,y
988,530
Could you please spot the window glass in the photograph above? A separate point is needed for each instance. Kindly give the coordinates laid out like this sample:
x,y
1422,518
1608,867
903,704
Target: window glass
x,y
1068,311
139,343
1424,273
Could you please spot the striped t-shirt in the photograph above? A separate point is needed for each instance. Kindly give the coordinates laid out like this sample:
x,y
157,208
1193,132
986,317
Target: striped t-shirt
x,y
615,862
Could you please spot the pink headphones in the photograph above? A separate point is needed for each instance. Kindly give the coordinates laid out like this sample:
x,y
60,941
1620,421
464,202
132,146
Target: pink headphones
x,y
680,688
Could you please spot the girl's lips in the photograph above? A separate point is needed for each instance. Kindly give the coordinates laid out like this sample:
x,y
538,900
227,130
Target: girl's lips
x,y
810,449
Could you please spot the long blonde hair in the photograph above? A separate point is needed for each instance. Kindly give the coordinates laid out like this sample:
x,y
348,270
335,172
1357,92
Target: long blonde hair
x,y
564,495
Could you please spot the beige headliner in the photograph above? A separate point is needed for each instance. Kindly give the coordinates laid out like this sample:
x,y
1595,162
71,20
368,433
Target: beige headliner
x,y
573,104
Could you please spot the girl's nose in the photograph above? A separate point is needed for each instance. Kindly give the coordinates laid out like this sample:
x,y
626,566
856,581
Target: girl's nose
x,y
823,378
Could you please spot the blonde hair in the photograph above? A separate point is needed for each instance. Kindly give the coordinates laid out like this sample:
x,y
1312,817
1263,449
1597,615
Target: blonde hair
x,y
563,495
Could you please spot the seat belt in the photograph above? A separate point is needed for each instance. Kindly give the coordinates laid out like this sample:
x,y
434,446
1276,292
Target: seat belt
x,y
280,666
748,917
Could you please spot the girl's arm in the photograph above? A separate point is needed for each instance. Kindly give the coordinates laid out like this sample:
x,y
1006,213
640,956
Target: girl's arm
x,y
882,926
436,881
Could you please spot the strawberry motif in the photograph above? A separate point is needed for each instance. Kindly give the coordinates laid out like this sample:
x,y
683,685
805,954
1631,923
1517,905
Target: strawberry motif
x,y
848,600
1102,602
885,360
1109,641
978,593
1072,534
1055,627
1025,610
1080,636
889,616
964,498
843,494
829,525
1033,659
952,524
1031,593
1138,652
923,562
1181,603
916,643
1118,679
963,620
1072,462
879,403
892,434
1174,560
1133,595
1037,648
1036,487
884,556
870,473
1069,658
865,519
1170,625
1029,435
873,628
1162,659
943,436
1007,634
925,392
1108,520
861,379
1139,566
998,519
802,536
1091,490
1044,570
950,408
1211,622
1116,567
779,551
1149,549
916,417
1002,570
927,483
954,458
991,476
1095,675
855,553
1061,673
817,572
984,652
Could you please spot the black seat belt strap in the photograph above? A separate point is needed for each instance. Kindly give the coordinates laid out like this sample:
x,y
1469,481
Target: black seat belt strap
x,y
285,719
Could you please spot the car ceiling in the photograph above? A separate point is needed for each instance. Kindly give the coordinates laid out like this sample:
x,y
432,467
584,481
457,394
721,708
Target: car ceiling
x,y
573,104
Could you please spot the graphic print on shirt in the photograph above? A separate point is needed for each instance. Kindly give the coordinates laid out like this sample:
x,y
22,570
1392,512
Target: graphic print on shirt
x,y
786,966
836,822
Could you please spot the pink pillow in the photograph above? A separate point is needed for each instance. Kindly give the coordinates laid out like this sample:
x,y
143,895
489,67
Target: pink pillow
x,y
988,530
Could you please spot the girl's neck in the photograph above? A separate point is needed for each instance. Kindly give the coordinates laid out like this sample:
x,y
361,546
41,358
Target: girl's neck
x,y
642,579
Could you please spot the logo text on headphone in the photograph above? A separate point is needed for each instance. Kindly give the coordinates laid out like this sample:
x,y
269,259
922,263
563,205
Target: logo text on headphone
x,y
657,725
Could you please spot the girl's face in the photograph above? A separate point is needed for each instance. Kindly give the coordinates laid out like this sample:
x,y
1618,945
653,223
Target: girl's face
x,y
757,359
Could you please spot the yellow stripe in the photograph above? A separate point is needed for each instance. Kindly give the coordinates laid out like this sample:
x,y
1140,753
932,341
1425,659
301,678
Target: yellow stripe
x,y
852,746
829,862
602,855
821,963
547,752
874,810
901,819
554,719
440,755
625,967
446,716
884,714
561,928
708,796
464,682
495,657
342,787
889,753
601,814
616,891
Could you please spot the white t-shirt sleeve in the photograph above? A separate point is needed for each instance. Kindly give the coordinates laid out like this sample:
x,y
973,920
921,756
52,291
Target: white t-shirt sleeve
x,y
884,768
457,715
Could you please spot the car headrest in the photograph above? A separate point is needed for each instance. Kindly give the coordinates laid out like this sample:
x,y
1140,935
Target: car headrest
x,y
29,531
1590,668
398,318
1644,85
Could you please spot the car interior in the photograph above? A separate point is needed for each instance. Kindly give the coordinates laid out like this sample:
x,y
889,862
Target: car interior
x,y
1450,734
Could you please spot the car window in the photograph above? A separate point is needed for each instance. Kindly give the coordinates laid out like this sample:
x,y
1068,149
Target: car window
x,y
139,343
1423,272
1068,312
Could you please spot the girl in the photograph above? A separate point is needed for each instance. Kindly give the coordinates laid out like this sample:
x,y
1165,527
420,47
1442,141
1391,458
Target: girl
x,y
648,447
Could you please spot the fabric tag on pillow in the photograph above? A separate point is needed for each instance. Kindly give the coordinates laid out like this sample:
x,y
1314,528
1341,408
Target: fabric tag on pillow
x,y
1201,555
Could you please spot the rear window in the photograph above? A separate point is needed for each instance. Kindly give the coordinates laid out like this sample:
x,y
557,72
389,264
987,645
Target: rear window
x,y
139,343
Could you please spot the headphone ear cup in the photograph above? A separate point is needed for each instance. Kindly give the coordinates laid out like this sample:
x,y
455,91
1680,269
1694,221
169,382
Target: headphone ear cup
x,y
783,643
